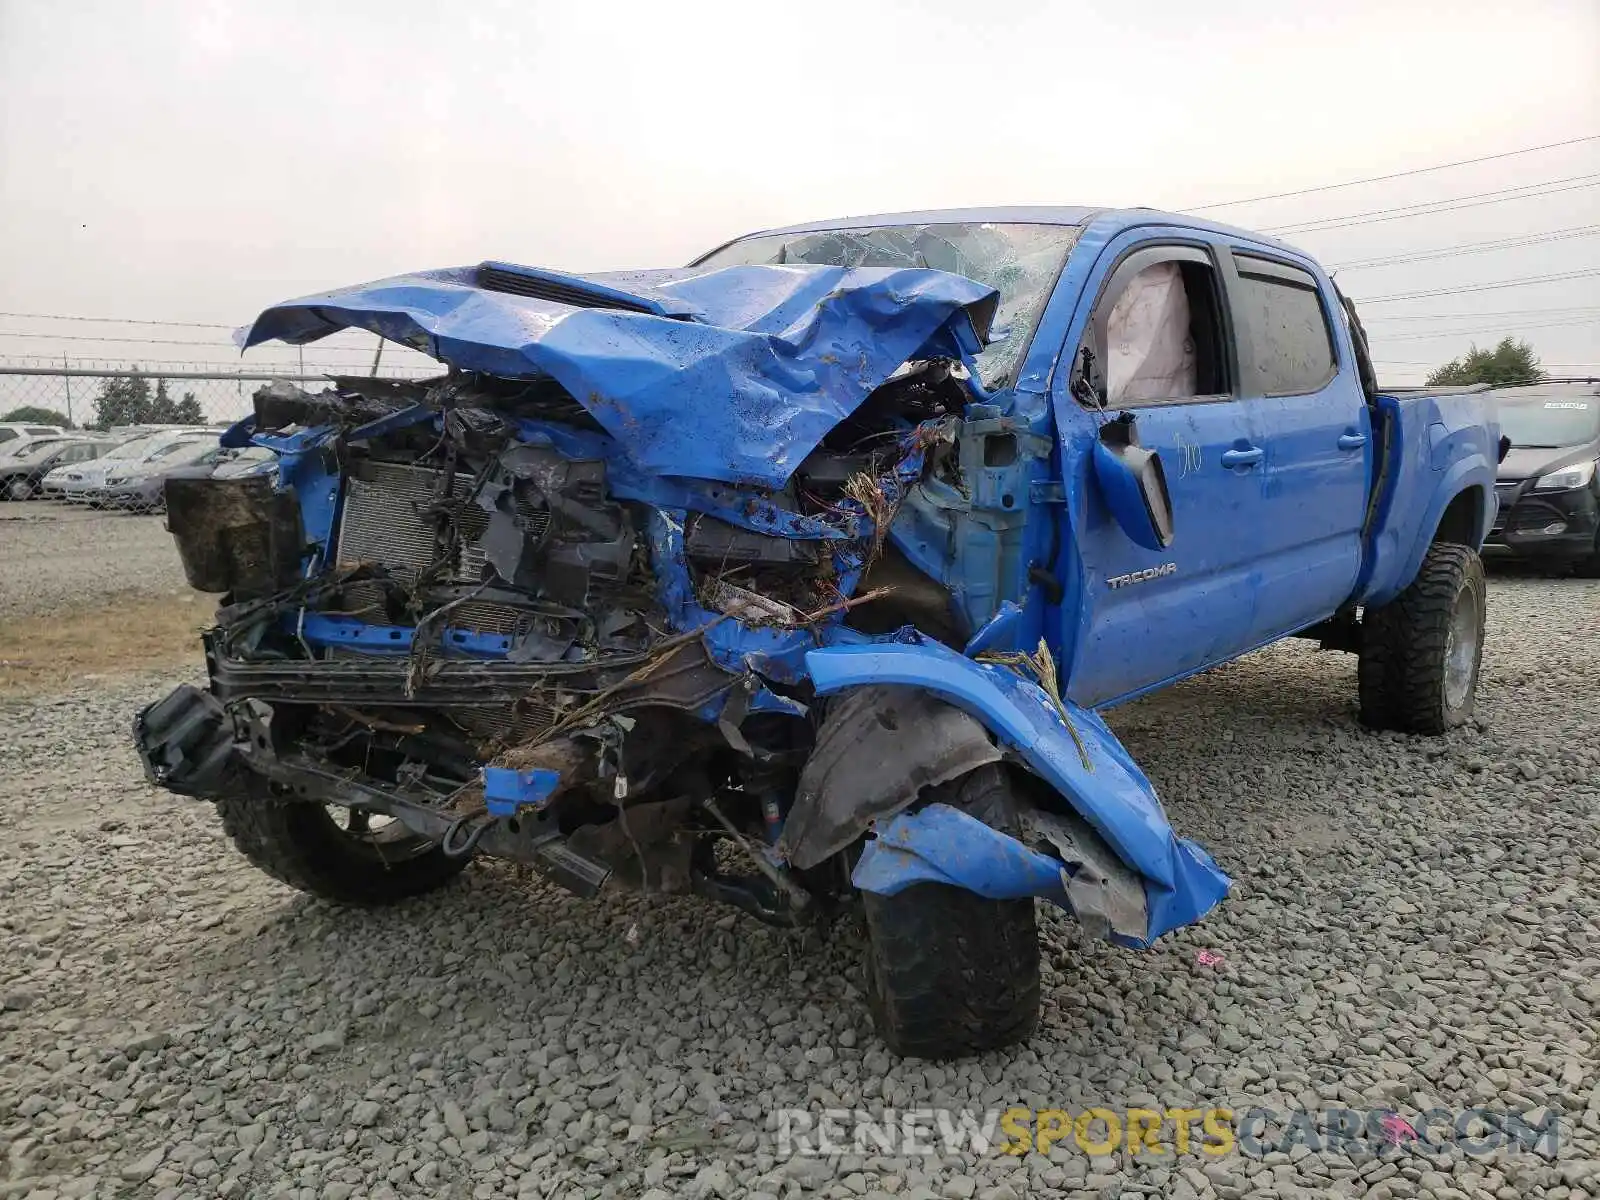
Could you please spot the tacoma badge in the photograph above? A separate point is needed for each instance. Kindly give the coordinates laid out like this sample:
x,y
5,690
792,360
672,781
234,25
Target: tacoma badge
x,y
1166,568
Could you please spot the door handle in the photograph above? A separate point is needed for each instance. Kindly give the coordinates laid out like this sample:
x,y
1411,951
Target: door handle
x,y
1242,458
1352,441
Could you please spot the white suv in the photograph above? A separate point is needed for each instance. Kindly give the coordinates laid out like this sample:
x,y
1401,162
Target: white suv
x,y
15,437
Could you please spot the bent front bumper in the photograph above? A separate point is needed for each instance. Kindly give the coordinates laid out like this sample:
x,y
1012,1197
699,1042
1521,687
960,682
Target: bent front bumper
x,y
193,744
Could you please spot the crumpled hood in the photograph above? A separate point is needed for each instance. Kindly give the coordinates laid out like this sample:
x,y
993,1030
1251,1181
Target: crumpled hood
x,y
733,374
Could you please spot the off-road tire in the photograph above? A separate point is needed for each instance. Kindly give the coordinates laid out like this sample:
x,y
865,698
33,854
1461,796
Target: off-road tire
x,y
950,973
300,844
1412,659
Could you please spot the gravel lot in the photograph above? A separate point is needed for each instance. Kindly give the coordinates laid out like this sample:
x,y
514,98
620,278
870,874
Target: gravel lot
x,y
54,555
1416,923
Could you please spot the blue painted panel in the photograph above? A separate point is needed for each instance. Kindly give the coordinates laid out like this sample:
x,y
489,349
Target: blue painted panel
x,y
1317,475
506,792
1413,497
940,844
778,356
1110,791
1191,604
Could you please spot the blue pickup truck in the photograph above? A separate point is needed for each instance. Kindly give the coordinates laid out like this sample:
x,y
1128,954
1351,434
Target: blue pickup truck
x,y
796,578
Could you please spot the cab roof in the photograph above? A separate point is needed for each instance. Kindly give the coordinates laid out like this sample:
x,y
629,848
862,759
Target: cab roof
x,y
1124,218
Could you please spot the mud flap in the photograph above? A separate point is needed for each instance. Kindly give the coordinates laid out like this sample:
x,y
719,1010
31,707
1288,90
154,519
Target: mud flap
x,y
1068,747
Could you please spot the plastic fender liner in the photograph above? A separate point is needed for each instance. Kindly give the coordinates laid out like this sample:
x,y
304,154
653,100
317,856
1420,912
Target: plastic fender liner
x,y
1085,764
877,748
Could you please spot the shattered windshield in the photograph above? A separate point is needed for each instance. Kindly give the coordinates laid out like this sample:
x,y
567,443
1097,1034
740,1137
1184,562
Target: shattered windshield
x,y
1020,261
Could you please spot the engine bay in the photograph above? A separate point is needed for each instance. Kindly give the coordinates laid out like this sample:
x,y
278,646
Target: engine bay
x,y
464,580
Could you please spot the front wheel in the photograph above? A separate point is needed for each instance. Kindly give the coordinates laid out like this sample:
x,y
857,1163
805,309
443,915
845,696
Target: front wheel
x,y
1421,652
950,973
347,856
19,489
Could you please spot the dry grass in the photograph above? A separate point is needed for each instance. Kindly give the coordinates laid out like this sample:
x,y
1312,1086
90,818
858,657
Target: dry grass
x,y
123,634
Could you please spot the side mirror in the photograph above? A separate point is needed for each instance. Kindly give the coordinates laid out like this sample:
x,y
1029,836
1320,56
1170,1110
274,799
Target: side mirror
x,y
1133,483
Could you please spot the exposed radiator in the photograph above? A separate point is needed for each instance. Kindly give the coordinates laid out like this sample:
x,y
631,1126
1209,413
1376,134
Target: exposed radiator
x,y
382,522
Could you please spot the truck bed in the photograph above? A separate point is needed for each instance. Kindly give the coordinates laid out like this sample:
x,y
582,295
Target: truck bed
x,y
1437,450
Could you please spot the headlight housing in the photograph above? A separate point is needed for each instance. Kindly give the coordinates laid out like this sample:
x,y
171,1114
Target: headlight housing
x,y
1575,476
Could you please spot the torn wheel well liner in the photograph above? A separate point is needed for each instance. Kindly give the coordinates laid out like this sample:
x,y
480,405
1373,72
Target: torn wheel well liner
x,y
878,747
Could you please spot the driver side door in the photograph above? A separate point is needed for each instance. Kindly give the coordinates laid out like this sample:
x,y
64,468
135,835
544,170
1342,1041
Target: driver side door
x,y
1161,347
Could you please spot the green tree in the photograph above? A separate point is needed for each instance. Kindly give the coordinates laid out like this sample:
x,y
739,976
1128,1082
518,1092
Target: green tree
x,y
162,406
188,411
33,414
1512,361
123,400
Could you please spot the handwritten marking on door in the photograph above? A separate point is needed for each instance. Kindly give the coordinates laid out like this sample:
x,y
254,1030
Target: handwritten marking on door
x,y
1188,457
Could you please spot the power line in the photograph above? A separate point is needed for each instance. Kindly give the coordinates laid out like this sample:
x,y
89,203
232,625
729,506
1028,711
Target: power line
x,y
1502,383
1513,243
1477,287
1329,187
87,337
117,320
1567,311
1431,207
1470,330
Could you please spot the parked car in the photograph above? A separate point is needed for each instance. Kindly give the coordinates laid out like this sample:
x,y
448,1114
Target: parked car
x,y
22,475
139,484
85,483
222,463
797,576
1548,490
14,437
242,463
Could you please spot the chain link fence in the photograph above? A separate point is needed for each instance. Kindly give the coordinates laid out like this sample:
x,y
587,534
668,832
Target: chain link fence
x,y
124,431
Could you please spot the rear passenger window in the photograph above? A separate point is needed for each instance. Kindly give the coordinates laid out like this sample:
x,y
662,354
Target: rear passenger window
x,y
1289,334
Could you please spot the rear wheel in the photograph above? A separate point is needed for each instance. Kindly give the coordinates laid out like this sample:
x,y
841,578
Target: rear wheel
x,y
345,855
19,489
1421,652
950,973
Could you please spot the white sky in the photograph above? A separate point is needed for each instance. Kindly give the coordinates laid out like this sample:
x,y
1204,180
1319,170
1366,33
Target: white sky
x,y
197,161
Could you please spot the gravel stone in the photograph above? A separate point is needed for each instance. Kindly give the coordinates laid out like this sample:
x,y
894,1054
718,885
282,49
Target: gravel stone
x,y
1413,924
143,1168
55,553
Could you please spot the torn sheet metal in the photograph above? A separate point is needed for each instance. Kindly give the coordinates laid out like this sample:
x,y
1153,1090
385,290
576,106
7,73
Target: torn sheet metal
x,y
733,374
942,844
1070,748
